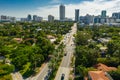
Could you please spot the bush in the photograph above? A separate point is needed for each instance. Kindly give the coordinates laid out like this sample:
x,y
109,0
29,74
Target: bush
x,y
79,78
6,69
115,75
6,77
110,62
27,71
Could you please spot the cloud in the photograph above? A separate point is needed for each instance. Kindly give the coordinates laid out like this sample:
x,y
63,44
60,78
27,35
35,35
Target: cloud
x,y
55,1
86,7
47,10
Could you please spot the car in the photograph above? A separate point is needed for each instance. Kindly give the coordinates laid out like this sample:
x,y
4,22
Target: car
x,y
46,78
65,54
63,76
49,72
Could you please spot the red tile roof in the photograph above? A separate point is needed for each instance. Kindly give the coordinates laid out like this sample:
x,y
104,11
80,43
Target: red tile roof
x,y
98,75
103,67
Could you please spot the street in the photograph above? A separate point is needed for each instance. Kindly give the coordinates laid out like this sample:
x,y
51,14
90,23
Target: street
x,y
64,67
69,50
42,73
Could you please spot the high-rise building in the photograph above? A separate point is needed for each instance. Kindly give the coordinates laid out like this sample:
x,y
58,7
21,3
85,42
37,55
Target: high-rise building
x,y
34,17
4,18
29,18
76,15
50,18
87,19
103,14
39,19
116,15
23,19
97,19
62,12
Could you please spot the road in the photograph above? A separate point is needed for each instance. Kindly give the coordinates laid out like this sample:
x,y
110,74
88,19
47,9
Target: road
x,y
41,75
69,49
66,59
64,67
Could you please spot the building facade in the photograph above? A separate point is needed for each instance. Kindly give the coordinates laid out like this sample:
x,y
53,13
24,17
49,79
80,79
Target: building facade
x,y
62,12
39,19
29,17
88,19
76,15
116,15
4,18
103,14
34,17
50,18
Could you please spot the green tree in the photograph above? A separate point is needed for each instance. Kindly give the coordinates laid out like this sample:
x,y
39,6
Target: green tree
x,y
6,69
82,38
82,71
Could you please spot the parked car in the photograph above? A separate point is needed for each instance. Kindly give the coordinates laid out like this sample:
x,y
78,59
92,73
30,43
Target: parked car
x,y
49,72
65,54
63,76
46,78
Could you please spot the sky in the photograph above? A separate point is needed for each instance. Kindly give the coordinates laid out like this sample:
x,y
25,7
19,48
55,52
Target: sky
x,y
21,8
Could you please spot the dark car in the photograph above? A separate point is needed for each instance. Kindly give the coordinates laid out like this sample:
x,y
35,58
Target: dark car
x,y
63,76
65,54
49,72
46,78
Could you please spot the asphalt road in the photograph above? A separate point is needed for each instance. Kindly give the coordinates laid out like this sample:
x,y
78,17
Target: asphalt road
x,y
42,73
69,49
64,67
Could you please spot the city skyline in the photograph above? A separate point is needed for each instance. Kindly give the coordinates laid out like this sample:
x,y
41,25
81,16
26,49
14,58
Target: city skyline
x,y
36,7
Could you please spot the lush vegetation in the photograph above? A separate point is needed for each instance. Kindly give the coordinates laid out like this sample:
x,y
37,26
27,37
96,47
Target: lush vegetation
x,y
97,45
27,46
5,70
56,60
115,74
